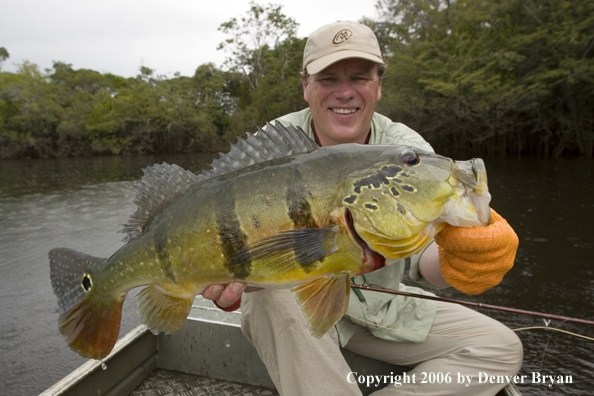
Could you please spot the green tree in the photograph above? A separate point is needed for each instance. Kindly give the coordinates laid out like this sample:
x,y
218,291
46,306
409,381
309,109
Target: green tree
x,y
185,125
65,112
126,121
153,114
29,113
263,27
3,56
77,92
280,91
216,93
509,76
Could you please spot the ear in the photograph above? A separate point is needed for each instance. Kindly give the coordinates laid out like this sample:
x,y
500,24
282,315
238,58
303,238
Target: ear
x,y
379,90
305,93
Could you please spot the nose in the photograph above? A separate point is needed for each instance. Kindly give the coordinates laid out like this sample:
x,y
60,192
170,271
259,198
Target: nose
x,y
344,89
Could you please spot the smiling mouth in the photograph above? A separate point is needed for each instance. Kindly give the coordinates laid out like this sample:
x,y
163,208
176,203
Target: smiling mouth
x,y
342,111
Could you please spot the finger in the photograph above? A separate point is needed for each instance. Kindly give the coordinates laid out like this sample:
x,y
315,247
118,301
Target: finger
x,y
213,292
231,294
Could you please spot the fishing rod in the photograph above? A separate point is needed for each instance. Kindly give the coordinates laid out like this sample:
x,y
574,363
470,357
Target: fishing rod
x,y
474,304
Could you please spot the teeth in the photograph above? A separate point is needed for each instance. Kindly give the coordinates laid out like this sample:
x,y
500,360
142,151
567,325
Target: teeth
x,y
344,111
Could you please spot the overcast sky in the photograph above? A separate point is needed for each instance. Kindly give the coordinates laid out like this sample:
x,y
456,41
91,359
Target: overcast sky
x,y
119,36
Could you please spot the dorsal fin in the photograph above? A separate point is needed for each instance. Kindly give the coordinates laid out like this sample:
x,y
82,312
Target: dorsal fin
x,y
275,141
160,184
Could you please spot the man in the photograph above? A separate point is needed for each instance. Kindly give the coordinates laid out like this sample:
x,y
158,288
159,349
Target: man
x,y
342,81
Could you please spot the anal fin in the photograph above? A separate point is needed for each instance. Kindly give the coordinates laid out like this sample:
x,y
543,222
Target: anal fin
x,y
162,310
323,302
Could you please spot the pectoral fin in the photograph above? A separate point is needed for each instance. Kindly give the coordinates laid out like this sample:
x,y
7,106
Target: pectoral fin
x,y
323,302
291,249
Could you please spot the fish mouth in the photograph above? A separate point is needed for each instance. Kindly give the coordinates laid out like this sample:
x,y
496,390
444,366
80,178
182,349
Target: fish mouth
x,y
471,176
371,258
473,173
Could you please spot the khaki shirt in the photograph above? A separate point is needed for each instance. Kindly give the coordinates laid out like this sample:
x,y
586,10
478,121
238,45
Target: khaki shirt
x,y
387,316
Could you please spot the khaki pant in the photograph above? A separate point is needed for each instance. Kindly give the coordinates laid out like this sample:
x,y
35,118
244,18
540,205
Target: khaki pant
x,y
300,364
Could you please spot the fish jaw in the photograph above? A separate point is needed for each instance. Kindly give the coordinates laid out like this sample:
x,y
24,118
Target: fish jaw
x,y
470,207
398,207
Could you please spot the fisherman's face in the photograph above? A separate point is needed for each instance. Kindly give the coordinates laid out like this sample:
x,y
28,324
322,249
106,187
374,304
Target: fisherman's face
x,y
342,99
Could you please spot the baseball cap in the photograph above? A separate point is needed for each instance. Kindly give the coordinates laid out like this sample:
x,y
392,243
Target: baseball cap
x,y
337,41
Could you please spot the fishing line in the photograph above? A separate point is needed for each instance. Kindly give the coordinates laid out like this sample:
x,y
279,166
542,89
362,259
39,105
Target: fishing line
x,y
474,334
477,305
544,352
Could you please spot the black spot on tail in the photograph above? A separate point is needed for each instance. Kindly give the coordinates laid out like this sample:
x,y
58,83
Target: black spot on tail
x,y
86,282
233,239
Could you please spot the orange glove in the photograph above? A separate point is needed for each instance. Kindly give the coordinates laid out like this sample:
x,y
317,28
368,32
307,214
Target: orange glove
x,y
475,259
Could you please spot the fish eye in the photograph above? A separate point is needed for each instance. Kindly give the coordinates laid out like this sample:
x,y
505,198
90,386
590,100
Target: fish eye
x,y
410,158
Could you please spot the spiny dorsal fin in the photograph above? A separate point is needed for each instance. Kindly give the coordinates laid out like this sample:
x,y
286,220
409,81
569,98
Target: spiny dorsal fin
x,y
159,185
162,183
275,141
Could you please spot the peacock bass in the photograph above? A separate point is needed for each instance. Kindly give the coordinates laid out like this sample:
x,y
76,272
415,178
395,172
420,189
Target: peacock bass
x,y
276,211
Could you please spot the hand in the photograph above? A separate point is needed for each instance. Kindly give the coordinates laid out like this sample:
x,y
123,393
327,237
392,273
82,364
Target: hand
x,y
476,259
227,297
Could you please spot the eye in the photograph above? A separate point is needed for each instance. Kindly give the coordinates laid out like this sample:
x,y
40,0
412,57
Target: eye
x,y
328,80
410,158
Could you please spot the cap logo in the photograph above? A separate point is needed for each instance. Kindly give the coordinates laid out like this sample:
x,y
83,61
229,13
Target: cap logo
x,y
342,36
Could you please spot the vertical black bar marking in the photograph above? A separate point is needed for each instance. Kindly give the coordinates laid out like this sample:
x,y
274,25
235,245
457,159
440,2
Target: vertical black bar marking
x,y
299,207
300,213
161,242
233,239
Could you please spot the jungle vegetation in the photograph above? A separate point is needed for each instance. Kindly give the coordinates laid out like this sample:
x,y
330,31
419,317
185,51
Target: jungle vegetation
x,y
511,77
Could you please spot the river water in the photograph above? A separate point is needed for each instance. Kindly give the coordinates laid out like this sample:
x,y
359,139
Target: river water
x,y
82,202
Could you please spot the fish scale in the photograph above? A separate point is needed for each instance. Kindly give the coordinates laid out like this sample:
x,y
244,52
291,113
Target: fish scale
x,y
276,211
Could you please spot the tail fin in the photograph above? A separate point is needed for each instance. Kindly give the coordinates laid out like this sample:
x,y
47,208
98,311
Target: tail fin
x,y
89,320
